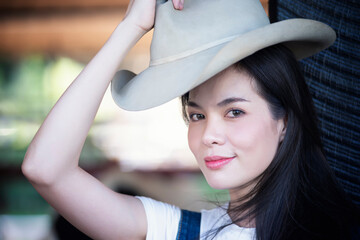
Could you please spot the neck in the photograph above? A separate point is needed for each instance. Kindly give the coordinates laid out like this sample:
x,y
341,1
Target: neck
x,y
236,201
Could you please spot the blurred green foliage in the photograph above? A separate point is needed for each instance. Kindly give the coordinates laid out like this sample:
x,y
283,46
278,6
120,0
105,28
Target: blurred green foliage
x,y
29,87
19,197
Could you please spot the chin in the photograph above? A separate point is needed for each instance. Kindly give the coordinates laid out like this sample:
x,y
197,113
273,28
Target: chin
x,y
218,186
217,183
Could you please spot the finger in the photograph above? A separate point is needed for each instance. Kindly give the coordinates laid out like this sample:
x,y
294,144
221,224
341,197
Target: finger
x,y
129,7
178,4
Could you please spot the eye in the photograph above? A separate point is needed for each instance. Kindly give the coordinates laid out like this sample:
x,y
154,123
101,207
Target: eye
x,y
196,117
234,113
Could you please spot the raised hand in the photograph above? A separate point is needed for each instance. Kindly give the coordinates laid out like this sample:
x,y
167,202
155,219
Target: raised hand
x,y
141,13
51,161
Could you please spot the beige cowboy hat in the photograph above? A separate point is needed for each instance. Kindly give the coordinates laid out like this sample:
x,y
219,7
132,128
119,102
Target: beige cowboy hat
x,y
207,36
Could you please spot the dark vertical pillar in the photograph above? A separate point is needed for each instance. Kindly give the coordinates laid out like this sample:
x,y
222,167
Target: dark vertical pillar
x,y
333,77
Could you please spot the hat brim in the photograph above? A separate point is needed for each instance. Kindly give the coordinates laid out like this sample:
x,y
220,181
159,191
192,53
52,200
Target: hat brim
x,y
161,83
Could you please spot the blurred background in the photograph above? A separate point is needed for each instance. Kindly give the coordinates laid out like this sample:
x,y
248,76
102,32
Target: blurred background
x,y
44,44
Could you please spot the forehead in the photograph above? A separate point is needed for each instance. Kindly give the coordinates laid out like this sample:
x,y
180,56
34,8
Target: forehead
x,y
228,83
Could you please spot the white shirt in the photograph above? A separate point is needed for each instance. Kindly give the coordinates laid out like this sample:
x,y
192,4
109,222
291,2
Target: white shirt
x,y
163,221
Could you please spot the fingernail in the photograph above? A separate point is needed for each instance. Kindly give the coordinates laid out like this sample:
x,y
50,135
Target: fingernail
x,y
178,5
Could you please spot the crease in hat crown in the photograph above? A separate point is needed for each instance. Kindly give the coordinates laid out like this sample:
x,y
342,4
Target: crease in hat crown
x,y
201,25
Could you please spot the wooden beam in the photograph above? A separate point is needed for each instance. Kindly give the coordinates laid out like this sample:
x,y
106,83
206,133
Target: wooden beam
x,y
46,4
78,35
74,33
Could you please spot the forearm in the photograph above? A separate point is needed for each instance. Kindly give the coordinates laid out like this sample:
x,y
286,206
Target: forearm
x,y
57,145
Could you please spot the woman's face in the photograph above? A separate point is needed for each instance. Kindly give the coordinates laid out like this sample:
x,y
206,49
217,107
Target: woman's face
x,y
231,131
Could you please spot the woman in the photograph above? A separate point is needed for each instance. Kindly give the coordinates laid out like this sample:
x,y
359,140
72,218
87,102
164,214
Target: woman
x,y
284,185
251,127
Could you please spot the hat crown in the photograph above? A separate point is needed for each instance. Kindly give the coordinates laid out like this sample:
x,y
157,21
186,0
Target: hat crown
x,y
200,25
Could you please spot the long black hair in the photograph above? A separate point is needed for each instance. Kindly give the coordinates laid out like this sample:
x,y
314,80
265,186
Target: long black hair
x,y
297,196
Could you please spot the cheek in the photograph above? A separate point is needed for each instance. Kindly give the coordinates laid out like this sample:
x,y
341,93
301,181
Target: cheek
x,y
255,138
243,135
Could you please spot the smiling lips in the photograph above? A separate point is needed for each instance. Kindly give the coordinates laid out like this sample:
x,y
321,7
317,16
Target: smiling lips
x,y
217,162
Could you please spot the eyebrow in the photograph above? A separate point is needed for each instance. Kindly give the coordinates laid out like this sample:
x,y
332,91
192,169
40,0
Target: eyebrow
x,y
220,104
231,100
193,104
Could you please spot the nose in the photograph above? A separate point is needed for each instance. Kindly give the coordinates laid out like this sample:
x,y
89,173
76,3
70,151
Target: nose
x,y
213,133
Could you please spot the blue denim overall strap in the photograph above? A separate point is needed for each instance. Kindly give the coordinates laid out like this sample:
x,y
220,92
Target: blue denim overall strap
x,y
189,225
